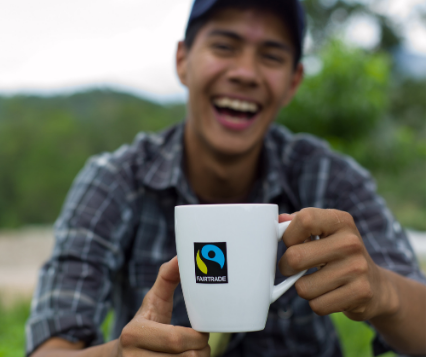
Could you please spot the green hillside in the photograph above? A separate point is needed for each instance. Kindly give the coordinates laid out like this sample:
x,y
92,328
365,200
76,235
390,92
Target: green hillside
x,y
354,102
45,141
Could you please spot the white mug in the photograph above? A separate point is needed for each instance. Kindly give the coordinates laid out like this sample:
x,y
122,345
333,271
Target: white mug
x,y
227,260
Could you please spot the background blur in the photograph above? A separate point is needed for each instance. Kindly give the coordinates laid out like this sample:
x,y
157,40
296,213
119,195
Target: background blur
x,y
82,77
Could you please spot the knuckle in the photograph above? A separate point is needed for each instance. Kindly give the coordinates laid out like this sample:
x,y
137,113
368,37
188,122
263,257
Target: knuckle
x,y
127,337
346,217
302,288
175,341
201,353
191,353
294,257
360,267
363,267
353,244
366,291
194,353
306,217
162,268
317,308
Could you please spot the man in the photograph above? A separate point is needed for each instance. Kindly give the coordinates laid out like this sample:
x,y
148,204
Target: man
x,y
240,62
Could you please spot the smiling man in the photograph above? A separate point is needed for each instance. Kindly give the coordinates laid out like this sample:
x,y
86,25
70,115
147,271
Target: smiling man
x,y
240,62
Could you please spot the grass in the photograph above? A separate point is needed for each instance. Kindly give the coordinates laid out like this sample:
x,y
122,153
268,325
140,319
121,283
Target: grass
x,y
12,321
12,325
355,336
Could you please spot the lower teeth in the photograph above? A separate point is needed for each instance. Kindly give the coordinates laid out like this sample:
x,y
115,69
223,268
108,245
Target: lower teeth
x,y
235,119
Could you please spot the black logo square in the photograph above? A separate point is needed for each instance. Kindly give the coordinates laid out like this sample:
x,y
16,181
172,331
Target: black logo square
x,y
211,263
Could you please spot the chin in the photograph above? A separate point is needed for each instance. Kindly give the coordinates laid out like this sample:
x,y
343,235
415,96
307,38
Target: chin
x,y
234,147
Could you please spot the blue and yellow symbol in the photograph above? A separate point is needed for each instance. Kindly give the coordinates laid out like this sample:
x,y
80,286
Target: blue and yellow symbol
x,y
211,263
210,252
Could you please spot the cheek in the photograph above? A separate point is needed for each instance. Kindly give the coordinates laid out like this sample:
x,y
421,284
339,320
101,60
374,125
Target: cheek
x,y
279,85
205,71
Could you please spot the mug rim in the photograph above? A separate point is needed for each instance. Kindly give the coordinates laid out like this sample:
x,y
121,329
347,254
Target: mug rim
x,y
225,205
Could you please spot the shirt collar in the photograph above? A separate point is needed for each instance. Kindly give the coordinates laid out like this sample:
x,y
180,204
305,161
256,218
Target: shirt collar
x,y
275,182
166,169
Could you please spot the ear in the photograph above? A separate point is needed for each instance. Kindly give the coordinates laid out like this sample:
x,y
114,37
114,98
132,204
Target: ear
x,y
181,62
295,81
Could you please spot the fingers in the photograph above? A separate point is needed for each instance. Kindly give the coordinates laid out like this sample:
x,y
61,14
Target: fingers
x,y
315,253
333,276
149,332
153,336
158,302
285,217
205,352
315,221
351,298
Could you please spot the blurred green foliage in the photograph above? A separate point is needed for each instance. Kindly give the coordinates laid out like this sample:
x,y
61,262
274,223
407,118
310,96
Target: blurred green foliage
x,y
328,17
355,102
44,142
345,100
364,111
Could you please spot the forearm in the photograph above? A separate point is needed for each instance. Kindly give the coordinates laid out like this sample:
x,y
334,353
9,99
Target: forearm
x,y
60,347
404,329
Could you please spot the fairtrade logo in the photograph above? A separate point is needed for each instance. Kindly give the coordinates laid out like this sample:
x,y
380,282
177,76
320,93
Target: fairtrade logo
x,y
210,263
210,252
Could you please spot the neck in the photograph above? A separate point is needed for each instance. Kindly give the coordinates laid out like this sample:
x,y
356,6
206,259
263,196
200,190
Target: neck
x,y
220,178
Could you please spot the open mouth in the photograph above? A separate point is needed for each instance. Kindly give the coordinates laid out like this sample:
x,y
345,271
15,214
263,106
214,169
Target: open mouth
x,y
235,113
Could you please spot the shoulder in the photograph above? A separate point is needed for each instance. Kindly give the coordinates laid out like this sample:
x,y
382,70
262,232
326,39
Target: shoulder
x,y
294,147
141,152
306,154
127,165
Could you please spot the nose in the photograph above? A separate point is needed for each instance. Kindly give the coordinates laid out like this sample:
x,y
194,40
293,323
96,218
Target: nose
x,y
245,71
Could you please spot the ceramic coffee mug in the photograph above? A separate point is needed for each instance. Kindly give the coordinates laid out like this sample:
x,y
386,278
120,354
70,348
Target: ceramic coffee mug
x,y
227,260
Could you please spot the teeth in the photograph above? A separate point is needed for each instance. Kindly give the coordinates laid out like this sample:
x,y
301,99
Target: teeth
x,y
236,104
234,120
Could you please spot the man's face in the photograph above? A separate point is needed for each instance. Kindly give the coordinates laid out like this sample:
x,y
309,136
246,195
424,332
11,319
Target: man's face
x,y
239,73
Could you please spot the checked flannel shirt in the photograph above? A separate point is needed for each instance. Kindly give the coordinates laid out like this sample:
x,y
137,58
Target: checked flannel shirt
x,y
117,227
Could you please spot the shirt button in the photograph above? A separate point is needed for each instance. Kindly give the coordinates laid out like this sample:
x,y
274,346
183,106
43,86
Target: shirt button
x,y
285,313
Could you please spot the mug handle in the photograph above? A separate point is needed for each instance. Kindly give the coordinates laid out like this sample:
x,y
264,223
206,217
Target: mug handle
x,y
281,288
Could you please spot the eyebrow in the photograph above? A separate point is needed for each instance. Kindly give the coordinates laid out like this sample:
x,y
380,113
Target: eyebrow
x,y
235,36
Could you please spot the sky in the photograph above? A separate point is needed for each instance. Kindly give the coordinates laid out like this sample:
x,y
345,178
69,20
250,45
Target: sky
x,y
50,46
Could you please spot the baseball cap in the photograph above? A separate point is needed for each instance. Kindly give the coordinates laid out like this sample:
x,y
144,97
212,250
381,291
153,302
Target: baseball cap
x,y
291,10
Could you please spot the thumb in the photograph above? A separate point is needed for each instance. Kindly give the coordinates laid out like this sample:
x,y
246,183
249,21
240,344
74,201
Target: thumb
x,y
158,302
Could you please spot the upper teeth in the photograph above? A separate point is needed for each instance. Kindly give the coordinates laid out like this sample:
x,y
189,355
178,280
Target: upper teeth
x,y
236,104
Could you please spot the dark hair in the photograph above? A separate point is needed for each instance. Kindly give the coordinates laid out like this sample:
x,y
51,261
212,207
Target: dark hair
x,y
273,6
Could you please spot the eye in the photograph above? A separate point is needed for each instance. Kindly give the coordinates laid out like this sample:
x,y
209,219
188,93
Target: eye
x,y
222,47
273,58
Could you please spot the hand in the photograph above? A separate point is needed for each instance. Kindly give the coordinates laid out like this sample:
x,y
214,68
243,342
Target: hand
x,y
349,280
149,333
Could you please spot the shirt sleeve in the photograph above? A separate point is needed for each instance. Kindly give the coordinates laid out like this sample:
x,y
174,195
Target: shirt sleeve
x,y
74,287
331,181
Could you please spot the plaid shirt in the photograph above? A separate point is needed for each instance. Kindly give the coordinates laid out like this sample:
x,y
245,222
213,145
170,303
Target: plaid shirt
x,y
117,227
